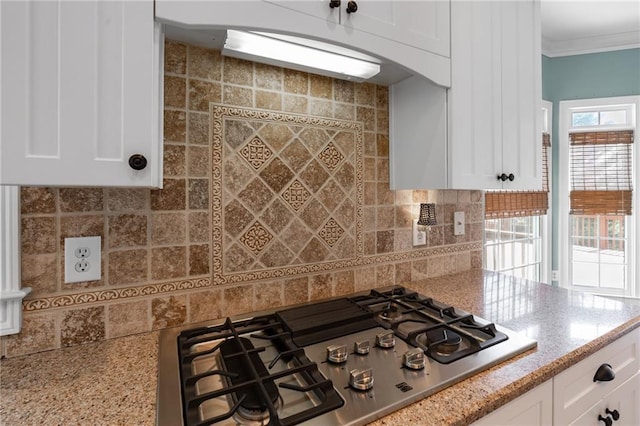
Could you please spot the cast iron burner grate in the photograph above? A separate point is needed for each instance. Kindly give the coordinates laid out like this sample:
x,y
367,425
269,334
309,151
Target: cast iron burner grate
x,y
253,388
417,319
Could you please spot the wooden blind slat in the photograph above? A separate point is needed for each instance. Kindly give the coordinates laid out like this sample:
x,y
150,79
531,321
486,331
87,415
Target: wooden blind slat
x,y
601,172
506,203
601,138
609,203
515,203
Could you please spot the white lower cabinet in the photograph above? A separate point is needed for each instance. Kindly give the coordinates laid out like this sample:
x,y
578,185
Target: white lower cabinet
x,y
576,394
573,397
532,408
618,408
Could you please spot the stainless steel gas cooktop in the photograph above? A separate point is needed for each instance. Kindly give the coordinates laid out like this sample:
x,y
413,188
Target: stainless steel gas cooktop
x,y
344,361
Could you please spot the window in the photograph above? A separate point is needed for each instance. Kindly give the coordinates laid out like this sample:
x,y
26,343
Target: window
x,y
596,211
514,246
516,224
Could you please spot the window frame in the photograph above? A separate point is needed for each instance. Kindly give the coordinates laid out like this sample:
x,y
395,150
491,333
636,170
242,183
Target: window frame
x,y
566,108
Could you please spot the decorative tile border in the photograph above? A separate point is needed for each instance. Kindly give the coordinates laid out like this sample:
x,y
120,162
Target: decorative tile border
x,y
69,300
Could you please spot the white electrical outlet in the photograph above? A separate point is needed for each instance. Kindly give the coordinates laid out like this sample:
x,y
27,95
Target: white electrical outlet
x,y
458,223
555,276
419,234
82,260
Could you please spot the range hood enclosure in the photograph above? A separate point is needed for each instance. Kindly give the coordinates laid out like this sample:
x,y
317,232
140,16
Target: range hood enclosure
x,y
204,23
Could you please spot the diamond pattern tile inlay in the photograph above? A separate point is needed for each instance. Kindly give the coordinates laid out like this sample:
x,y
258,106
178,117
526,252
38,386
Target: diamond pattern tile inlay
x,y
256,238
331,232
256,152
296,195
331,157
286,194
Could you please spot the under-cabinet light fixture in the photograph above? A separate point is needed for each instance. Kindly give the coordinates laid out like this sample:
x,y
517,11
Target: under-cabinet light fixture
x,y
427,214
289,52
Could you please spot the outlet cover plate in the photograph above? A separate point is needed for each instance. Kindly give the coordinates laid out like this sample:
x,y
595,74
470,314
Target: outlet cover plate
x,y
83,252
419,234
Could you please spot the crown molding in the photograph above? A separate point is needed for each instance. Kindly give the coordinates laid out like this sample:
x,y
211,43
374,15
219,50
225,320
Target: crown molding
x,y
595,44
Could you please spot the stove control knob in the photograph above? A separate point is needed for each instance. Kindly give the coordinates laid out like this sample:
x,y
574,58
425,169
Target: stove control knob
x,y
361,379
414,359
386,339
337,353
362,347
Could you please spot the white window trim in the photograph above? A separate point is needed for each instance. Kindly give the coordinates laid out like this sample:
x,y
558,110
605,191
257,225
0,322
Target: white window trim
x,y
547,223
10,295
563,185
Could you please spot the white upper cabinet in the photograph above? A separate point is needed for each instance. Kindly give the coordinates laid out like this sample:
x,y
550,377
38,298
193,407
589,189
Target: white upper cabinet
x,y
421,24
492,115
495,95
413,34
81,88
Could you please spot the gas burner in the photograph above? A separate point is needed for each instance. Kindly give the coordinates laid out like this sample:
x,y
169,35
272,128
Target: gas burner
x,y
391,313
444,342
254,417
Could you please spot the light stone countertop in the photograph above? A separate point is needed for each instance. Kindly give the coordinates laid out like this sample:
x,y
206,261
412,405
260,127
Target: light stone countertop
x,y
114,382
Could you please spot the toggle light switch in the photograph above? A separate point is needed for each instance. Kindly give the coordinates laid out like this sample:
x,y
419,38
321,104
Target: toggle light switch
x,y
458,223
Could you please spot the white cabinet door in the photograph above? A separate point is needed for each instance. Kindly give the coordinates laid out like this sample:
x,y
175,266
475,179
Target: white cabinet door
x,y
495,95
81,93
623,402
319,9
534,408
521,72
575,390
421,24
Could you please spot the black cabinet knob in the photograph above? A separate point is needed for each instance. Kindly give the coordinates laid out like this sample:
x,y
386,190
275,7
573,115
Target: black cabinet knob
x,y
504,177
604,374
352,7
137,162
614,414
607,420
334,3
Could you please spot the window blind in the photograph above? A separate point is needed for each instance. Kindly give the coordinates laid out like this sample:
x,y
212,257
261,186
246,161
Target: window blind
x,y
601,173
506,204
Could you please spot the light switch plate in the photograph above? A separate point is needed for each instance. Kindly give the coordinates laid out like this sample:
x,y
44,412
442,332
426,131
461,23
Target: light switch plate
x,y
458,223
82,259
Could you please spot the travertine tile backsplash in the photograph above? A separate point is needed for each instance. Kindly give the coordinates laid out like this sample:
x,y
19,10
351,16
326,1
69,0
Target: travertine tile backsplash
x,y
275,192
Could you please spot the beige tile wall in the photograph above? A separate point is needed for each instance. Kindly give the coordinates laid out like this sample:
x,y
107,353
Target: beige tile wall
x,y
157,244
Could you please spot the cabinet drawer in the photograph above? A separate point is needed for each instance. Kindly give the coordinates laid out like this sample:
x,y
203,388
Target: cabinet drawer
x,y
532,408
623,400
574,390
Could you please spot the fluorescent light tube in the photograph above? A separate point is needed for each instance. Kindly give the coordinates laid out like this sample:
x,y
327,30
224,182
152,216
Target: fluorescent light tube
x,y
273,51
